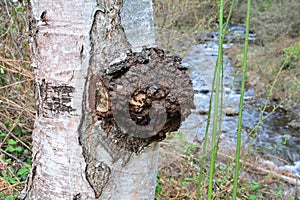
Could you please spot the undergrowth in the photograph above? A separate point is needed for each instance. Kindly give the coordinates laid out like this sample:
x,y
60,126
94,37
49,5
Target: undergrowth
x,y
179,168
16,98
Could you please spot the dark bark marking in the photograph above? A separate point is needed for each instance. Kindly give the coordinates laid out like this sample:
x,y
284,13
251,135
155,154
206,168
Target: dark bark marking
x,y
77,196
43,17
53,99
81,51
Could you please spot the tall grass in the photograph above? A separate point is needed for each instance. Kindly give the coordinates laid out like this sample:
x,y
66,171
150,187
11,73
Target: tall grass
x,y
239,134
217,105
220,58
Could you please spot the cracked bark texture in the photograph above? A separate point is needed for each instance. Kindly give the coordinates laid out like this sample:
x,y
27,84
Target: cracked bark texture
x,y
65,36
115,172
78,50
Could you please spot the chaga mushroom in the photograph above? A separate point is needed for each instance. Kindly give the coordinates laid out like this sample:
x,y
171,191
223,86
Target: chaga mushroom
x,y
142,98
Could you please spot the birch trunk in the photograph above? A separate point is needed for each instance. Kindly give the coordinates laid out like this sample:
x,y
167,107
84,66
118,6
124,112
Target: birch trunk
x,y
72,156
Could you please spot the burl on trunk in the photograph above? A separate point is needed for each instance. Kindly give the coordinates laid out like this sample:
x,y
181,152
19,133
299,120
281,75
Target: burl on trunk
x,y
136,102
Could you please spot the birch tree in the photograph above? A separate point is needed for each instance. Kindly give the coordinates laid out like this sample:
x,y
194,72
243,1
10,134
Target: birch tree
x,y
105,97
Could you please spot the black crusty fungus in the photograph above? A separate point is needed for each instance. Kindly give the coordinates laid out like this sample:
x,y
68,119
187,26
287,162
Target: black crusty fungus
x,y
142,98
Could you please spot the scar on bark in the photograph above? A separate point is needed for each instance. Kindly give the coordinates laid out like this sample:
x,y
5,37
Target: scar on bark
x,y
133,103
141,98
53,99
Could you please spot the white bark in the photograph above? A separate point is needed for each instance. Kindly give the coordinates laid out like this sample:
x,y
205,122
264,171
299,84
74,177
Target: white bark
x,y
62,59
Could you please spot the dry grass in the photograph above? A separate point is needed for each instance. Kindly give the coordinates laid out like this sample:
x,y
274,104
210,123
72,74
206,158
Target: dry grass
x,y
179,169
17,110
271,18
183,14
16,81
277,25
264,63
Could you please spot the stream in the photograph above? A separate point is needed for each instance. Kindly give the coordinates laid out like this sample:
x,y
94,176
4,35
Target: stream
x,y
276,141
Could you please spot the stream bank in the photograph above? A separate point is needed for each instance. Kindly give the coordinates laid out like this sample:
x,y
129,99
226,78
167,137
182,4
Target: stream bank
x,y
275,139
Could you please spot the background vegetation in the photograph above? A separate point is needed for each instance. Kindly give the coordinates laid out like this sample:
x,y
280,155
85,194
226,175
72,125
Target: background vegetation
x,y
16,98
276,50
274,55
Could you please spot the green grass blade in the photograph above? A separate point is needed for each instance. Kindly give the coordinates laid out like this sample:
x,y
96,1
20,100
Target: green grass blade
x,y
204,149
239,139
216,104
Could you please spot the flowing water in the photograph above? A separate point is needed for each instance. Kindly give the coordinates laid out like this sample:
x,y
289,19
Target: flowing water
x,y
274,139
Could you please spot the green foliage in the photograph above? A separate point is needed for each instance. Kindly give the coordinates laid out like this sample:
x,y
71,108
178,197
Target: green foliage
x,y
9,197
292,52
20,8
291,56
1,69
158,189
15,160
